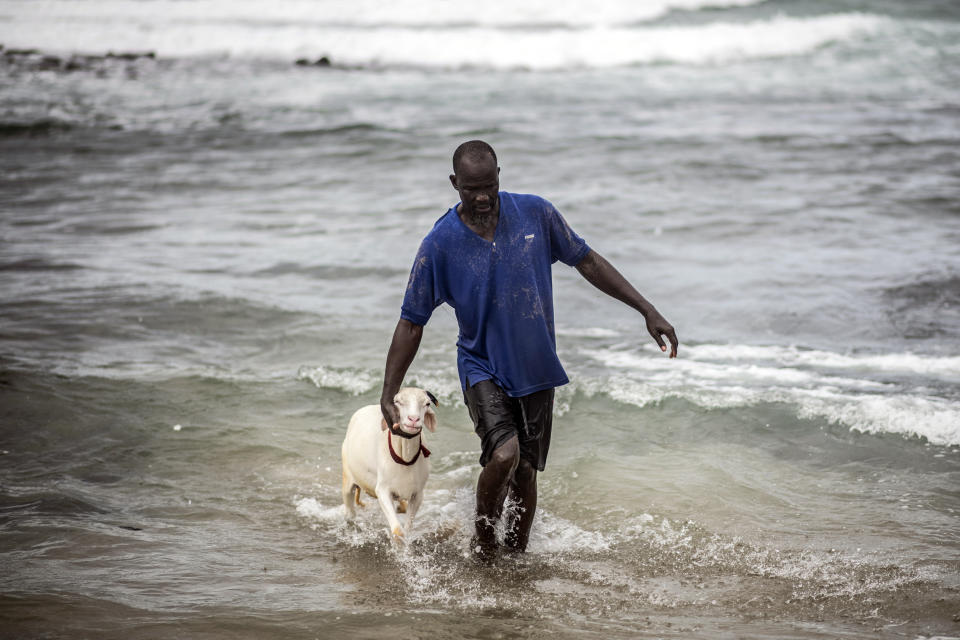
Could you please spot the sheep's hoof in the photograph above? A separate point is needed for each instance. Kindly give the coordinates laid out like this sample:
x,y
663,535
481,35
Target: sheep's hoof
x,y
401,506
397,532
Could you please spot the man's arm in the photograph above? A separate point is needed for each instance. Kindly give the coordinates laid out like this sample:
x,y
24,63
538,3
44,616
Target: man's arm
x,y
403,348
605,277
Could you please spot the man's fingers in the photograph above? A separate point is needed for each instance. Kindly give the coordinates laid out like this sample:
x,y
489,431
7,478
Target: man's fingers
x,y
656,336
390,415
658,328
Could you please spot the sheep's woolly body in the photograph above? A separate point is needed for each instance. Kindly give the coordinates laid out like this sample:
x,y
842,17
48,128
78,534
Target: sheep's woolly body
x,y
369,466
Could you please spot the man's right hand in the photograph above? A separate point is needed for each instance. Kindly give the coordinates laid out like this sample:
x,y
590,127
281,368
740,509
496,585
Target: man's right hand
x,y
389,411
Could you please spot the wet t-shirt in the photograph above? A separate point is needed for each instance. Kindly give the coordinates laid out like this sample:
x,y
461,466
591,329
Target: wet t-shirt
x,y
501,291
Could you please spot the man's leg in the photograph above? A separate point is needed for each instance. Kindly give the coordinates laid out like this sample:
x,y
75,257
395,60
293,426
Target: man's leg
x,y
523,492
492,487
537,419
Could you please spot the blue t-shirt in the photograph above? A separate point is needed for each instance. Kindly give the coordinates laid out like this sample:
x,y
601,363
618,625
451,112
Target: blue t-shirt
x,y
502,292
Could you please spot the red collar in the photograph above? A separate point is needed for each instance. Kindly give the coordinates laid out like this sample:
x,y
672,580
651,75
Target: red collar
x,y
399,460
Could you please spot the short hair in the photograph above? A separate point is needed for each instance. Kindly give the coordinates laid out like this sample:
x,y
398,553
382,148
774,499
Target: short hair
x,y
475,150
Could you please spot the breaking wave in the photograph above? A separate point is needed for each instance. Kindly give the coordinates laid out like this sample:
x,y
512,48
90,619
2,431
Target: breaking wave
x,y
895,393
614,35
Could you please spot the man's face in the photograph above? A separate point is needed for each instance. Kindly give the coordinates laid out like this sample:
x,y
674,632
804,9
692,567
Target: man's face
x,y
478,183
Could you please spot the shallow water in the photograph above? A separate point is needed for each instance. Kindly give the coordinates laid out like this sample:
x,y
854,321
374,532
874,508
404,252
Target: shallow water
x,y
202,256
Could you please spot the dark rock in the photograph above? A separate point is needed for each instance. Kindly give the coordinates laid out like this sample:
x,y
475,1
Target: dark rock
x,y
13,53
48,63
35,60
319,62
75,64
132,55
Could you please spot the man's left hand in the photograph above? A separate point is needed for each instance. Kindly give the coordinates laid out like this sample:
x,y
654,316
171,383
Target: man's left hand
x,y
658,327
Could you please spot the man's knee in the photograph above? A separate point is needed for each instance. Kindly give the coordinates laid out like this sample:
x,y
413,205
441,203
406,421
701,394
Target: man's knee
x,y
507,456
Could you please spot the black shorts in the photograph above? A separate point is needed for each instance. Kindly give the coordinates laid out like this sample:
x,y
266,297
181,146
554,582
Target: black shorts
x,y
497,417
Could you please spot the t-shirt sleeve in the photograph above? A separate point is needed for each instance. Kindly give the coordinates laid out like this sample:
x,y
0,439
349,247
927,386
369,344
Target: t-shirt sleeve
x,y
422,295
565,245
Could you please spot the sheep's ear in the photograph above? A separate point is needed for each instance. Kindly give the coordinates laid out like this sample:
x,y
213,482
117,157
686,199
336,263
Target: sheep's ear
x,y
383,425
432,397
430,419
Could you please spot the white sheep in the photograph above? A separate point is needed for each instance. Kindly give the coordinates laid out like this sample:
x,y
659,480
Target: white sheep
x,y
389,464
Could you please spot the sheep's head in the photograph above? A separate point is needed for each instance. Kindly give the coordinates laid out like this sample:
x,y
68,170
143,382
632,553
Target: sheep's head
x,y
415,407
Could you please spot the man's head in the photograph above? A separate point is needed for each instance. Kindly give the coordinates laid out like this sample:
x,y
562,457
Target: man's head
x,y
476,177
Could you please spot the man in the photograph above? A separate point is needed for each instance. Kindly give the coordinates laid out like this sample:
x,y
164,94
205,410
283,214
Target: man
x,y
490,258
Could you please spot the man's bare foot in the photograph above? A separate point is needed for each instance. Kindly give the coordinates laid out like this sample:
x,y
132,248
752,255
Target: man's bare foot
x,y
483,553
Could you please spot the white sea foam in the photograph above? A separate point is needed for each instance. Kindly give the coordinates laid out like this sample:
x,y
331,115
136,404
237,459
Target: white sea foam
x,y
355,381
554,534
311,508
725,376
935,419
449,510
946,366
587,332
367,528
551,38
370,13
854,390
443,382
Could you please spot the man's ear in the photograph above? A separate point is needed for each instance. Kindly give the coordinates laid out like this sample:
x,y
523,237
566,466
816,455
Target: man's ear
x,y
453,181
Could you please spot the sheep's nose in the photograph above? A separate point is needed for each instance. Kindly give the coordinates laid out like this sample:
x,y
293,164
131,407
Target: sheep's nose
x,y
413,419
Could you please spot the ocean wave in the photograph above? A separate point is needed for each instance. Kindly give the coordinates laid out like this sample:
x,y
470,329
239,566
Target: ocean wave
x,y
349,380
442,381
363,13
855,391
730,376
600,43
934,419
930,365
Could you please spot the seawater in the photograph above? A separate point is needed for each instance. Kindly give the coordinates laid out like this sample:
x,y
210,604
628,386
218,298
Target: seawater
x,y
203,253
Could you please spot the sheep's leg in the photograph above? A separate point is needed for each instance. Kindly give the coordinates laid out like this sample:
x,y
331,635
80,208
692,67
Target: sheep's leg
x,y
347,490
385,498
412,507
401,506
